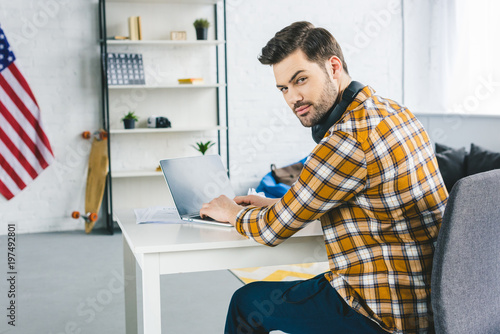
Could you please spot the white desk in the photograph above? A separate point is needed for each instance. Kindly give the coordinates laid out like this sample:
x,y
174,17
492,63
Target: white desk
x,y
168,249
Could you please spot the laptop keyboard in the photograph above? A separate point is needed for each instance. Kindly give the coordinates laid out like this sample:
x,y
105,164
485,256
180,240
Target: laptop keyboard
x,y
206,218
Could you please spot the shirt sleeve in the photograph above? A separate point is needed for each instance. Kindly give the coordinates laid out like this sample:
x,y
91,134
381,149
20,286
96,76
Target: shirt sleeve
x,y
334,172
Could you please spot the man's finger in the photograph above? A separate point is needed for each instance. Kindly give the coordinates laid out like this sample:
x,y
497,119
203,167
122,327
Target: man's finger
x,y
242,199
203,213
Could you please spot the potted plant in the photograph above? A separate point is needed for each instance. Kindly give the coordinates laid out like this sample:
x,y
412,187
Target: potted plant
x,y
201,26
129,120
203,147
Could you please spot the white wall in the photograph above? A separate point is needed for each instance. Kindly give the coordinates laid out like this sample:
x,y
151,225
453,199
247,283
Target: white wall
x,y
460,122
263,130
55,42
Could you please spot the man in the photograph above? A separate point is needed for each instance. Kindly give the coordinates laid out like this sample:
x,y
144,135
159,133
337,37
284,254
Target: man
x,y
372,181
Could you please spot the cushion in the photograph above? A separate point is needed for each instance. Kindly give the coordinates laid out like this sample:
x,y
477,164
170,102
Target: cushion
x,y
481,160
441,148
451,164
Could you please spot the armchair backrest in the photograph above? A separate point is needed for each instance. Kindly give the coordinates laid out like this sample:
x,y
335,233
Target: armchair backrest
x,y
466,269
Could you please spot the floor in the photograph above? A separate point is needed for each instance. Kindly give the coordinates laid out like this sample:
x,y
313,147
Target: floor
x,y
70,282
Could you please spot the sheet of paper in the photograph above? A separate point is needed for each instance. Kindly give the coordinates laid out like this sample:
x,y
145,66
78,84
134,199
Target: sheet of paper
x,y
158,214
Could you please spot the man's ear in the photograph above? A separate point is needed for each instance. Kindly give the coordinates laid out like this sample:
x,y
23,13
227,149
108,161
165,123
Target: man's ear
x,y
334,66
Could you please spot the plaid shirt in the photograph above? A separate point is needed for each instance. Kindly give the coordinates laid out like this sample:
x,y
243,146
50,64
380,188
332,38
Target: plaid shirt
x,y
374,183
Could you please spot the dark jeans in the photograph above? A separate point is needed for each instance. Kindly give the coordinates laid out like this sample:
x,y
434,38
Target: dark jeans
x,y
298,307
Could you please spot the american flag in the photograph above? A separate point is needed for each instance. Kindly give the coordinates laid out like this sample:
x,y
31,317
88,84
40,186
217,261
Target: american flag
x,y
24,148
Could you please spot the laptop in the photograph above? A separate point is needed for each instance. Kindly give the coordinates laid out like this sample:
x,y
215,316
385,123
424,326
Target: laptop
x,y
196,180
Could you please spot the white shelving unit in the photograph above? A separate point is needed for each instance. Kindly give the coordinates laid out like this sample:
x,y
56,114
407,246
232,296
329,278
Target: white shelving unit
x,y
165,130
164,42
196,2
197,112
136,173
183,86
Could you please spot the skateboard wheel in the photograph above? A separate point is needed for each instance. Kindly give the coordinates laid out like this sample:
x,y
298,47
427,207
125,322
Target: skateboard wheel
x,y
93,217
103,135
86,134
75,214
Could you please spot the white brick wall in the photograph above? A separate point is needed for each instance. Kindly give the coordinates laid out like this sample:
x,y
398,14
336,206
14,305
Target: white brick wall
x,y
55,42
263,130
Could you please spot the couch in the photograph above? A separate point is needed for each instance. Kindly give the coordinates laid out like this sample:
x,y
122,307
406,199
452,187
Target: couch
x,y
455,164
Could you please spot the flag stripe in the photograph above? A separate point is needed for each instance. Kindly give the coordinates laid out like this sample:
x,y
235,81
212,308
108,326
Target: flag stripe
x,y
19,171
9,188
5,191
26,112
17,74
17,154
23,142
19,85
12,109
14,90
12,173
17,114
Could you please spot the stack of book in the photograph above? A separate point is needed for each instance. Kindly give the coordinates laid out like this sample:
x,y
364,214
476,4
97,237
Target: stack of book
x,y
117,38
134,28
191,81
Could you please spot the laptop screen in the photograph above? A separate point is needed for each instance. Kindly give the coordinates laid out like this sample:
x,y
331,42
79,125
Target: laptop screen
x,y
196,180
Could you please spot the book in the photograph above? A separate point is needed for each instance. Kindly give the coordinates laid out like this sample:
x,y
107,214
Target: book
x,y
135,28
139,28
132,28
117,37
192,81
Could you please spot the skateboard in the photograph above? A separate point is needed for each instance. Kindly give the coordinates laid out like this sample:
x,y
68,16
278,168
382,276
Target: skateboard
x,y
96,178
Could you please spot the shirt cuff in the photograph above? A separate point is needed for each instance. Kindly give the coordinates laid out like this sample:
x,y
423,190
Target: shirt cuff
x,y
239,220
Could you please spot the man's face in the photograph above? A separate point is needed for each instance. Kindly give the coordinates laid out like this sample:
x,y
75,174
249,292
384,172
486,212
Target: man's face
x,y
307,87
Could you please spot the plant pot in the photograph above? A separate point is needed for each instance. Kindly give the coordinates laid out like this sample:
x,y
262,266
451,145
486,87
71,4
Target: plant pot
x,y
129,123
201,33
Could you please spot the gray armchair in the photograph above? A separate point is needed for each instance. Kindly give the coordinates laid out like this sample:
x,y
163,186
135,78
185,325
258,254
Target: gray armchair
x,y
466,269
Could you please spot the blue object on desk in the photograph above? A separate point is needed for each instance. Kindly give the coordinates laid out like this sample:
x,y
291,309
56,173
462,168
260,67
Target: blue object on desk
x,y
271,188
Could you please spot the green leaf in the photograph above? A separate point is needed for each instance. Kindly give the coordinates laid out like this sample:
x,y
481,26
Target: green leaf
x,y
130,115
201,23
203,147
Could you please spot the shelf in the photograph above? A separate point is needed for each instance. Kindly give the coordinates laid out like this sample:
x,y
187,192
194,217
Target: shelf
x,y
135,173
163,42
199,2
166,130
166,86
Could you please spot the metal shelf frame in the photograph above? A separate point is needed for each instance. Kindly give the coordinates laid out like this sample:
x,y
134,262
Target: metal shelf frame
x,y
107,206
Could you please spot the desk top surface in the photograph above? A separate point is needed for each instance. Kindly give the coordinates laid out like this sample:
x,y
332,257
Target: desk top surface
x,y
154,238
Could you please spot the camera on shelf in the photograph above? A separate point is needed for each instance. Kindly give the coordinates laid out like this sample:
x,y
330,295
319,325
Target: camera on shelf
x,y
158,122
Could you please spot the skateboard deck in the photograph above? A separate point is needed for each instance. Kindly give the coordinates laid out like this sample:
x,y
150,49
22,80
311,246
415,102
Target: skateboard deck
x,y
96,178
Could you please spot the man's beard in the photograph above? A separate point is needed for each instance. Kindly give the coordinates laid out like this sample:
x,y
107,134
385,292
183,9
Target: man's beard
x,y
322,107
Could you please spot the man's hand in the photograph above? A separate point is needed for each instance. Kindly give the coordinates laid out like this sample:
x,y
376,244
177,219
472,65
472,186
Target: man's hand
x,y
222,209
255,200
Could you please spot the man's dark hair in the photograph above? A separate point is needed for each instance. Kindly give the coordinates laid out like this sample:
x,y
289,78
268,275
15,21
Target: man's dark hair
x,y
317,43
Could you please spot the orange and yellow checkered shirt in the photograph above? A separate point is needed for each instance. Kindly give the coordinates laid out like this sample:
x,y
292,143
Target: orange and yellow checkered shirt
x,y
374,183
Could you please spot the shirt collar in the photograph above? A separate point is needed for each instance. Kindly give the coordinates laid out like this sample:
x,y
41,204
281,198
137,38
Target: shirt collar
x,y
366,93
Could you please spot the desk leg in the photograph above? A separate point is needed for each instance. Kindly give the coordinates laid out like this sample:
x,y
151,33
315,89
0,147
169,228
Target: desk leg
x,y
129,272
151,301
